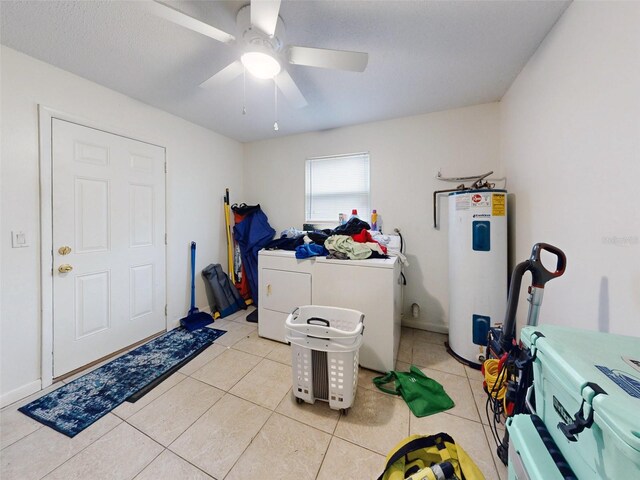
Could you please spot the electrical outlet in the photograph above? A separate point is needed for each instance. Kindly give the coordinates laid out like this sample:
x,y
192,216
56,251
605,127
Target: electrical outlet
x,y
19,239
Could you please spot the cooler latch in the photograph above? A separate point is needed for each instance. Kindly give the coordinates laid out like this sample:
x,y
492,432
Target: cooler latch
x,y
571,430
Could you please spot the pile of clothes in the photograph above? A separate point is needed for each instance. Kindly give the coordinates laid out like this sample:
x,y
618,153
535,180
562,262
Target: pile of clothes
x,y
351,240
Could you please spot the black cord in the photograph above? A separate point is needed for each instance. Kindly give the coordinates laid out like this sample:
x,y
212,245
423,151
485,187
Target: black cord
x,y
491,403
397,230
497,406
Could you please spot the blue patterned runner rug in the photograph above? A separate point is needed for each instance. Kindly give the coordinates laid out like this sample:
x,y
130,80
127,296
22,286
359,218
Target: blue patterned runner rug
x,y
76,405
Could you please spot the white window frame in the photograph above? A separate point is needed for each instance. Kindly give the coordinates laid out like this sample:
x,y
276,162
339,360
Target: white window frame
x,y
309,217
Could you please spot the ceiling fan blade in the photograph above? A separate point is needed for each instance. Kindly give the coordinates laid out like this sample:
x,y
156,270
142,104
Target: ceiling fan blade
x,y
325,58
176,16
290,90
264,15
225,75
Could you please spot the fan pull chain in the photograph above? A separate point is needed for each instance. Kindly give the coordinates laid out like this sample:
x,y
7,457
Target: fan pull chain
x,y
244,90
275,94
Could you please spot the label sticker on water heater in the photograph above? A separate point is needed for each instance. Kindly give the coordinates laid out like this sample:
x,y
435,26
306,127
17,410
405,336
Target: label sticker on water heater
x,y
462,202
499,208
480,199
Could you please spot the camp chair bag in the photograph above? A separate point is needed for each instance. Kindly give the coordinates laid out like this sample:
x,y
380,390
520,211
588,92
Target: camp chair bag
x,y
226,298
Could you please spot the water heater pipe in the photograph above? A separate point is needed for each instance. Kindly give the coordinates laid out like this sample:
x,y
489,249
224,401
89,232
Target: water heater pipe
x,y
460,188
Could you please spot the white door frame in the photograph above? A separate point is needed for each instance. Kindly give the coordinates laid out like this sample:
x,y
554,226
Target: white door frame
x,y
45,119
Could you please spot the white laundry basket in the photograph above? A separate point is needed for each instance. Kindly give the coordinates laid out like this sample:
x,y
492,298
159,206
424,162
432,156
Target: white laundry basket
x,y
325,342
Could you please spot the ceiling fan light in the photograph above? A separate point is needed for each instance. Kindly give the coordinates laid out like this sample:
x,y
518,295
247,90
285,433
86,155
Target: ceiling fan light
x,y
260,64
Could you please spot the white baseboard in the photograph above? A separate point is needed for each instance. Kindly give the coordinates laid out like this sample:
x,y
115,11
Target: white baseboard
x,y
20,393
422,325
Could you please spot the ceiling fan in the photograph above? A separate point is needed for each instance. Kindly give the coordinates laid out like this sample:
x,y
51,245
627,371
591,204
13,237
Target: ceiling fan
x,y
260,36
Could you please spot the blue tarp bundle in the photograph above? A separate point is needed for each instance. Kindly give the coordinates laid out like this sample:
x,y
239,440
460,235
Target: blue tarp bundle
x,y
252,234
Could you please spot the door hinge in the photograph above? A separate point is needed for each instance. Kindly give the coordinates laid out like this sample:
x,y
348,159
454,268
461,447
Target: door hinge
x,y
165,310
165,167
165,239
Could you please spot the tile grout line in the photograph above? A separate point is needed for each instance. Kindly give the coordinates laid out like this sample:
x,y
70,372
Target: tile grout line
x,y
239,380
324,455
86,446
176,439
242,378
296,420
289,418
159,396
152,460
40,425
166,448
357,445
189,426
249,444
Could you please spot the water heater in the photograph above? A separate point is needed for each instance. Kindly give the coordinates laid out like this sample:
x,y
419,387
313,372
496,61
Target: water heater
x,y
477,269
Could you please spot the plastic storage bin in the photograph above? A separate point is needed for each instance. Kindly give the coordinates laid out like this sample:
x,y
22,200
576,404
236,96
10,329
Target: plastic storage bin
x,y
325,342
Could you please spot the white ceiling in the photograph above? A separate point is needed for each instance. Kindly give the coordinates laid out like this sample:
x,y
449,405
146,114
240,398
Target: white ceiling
x,y
424,56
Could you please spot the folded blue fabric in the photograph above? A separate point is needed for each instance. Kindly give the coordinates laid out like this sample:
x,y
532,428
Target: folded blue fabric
x,y
311,250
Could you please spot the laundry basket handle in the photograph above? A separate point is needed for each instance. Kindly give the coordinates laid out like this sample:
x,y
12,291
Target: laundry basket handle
x,y
318,321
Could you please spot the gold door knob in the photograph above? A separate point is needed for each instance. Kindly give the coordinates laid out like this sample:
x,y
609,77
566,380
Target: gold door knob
x,y
64,268
64,250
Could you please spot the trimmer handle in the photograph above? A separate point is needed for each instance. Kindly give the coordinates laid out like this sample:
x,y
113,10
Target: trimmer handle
x,y
540,275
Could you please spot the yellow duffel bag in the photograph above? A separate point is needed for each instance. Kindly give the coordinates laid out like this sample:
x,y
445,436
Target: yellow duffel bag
x,y
433,457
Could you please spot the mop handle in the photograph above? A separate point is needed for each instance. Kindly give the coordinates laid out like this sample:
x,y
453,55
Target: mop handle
x,y
540,275
193,275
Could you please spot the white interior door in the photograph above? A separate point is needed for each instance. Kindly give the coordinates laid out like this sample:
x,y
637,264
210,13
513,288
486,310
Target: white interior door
x,y
109,212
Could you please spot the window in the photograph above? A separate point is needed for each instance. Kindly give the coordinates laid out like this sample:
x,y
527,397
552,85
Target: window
x,y
336,184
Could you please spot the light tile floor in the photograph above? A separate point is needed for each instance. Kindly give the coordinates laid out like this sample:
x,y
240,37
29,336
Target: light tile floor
x,y
230,414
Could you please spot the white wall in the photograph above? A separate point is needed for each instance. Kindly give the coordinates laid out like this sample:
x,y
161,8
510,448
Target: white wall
x,y
405,157
570,132
201,164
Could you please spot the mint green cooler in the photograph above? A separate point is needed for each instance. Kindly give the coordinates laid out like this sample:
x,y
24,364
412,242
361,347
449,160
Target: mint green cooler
x,y
533,454
587,393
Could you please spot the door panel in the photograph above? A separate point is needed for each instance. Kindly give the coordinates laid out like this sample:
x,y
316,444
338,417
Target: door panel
x,y
141,282
92,314
108,208
141,207
285,291
91,215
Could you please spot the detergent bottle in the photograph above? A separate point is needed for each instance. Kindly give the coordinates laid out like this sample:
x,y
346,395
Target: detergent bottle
x,y
354,214
374,220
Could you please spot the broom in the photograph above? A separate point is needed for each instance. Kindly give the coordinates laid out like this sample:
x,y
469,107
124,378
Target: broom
x,y
195,319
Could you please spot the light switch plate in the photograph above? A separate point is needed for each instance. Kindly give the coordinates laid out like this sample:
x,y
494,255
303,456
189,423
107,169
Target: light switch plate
x,y
19,239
